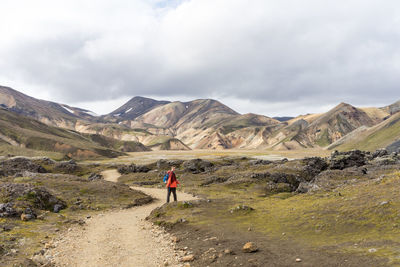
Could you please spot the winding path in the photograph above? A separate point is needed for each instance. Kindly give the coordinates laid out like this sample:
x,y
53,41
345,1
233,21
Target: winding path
x,y
119,238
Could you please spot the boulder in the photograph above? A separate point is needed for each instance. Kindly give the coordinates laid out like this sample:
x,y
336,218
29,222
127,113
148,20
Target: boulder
x,y
27,217
188,258
250,247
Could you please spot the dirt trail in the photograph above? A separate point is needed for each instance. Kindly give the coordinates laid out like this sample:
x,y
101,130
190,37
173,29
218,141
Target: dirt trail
x,y
119,238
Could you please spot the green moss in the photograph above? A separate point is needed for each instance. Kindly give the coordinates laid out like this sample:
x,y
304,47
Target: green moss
x,y
323,138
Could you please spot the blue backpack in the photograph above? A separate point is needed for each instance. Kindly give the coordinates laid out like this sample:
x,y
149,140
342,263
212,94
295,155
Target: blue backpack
x,y
166,176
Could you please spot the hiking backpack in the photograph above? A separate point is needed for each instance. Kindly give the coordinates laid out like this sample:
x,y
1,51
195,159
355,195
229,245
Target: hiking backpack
x,y
166,176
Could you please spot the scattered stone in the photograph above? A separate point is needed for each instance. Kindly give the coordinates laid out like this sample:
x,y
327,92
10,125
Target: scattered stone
x,y
228,252
383,203
298,260
188,258
95,177
57,208
372,250
27,217
241,208
250,247
175,239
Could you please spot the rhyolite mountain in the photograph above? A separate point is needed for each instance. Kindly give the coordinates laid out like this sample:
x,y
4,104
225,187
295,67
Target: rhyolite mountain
x,y
47,112
133,108
209,124
20,135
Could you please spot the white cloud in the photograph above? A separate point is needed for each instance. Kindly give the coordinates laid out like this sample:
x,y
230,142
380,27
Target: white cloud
x,y
281,56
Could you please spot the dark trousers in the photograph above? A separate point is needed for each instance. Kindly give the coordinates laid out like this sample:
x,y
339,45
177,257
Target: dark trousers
x,y
173,191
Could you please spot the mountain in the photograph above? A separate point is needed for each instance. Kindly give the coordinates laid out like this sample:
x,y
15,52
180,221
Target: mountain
x,y
47,112
393,108
378,136
144,123
283,119
133,108
24,136
335,124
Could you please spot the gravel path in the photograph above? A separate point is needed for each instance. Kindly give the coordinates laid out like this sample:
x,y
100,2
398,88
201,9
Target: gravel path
x,y
120,238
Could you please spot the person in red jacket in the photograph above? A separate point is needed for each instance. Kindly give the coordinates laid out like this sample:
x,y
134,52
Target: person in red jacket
x,y
171,184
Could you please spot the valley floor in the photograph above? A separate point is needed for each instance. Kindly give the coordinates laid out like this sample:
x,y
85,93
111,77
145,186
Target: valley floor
x,y
152,156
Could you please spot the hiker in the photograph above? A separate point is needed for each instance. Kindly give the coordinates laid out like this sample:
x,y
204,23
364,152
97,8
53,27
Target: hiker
x,y
171,184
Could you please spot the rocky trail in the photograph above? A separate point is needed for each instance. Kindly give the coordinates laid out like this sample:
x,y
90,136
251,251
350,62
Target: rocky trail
x,y
119,238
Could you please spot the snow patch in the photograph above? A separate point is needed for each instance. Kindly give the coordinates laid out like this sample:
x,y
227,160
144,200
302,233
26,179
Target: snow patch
x,y
187,106
91,113
117,115
128,110
69,110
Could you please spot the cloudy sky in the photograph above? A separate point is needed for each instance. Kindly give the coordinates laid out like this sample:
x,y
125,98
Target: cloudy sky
x,y
273,57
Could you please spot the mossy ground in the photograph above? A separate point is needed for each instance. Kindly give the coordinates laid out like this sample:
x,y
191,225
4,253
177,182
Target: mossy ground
x,y
360,217
82,197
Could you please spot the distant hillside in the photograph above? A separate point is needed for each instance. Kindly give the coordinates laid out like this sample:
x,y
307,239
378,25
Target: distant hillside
x,y
371,138
45,111
209,124
25,136
282,119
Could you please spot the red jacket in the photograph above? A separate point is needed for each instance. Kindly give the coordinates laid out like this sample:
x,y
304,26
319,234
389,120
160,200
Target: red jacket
x,y
172,182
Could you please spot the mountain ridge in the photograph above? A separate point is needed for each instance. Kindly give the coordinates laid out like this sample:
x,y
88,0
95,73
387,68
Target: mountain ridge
x,y
202,123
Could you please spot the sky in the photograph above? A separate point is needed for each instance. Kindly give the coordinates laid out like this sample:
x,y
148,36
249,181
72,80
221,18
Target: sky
x,y
271,57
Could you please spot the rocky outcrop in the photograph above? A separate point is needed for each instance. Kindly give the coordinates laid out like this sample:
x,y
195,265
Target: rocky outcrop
x,y
67,167
342,160
126,169
19,164
198,166
23,199
166,164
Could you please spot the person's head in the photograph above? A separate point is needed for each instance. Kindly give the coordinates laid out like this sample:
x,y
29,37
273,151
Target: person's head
x,y
173,168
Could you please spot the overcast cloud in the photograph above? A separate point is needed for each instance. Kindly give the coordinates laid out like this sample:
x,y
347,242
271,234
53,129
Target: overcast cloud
x,y
281,57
